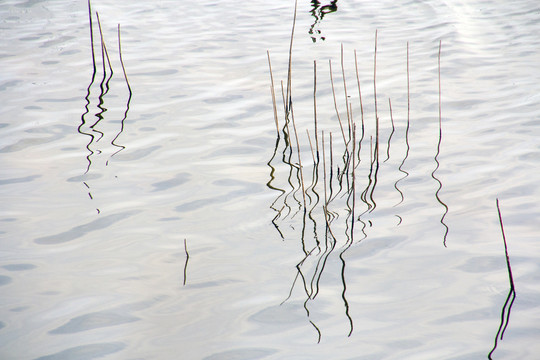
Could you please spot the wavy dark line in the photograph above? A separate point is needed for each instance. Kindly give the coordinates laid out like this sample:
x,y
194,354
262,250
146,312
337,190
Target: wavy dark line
x,y
439,189
186,263
122,122
270,186
375,176
104,85
507,307
88,92
391,133
406,136
437,155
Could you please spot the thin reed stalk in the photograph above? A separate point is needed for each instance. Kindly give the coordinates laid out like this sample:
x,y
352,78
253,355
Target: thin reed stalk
x,y
299,159
315,106
272,91
289,72
345,91
375,98
335,102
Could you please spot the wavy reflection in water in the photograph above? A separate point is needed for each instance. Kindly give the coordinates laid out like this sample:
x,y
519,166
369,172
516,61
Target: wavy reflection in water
x,y
507,307
186,263
90,125
122,122
437,155
408,147
318,11
327,228
88,91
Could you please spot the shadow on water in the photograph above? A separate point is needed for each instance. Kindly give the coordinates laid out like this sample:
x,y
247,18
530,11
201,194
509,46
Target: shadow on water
x,y
318,12
328,204
89,125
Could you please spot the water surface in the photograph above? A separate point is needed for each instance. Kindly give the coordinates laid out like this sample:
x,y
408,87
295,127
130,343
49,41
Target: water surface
x,y
165,218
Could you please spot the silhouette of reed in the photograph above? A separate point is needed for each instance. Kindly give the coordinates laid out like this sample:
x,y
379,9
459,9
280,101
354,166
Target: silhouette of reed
x,y
186,263
438,152
90,123
507,307
347,193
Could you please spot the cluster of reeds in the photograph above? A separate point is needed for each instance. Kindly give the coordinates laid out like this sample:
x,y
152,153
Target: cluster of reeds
x,y
330,189
90,123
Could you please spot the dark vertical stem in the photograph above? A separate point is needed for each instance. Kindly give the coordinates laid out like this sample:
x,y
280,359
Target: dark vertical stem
x,y
187,259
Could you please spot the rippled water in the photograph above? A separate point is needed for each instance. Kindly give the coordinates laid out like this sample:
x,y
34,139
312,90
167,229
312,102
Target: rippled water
x,y
163,217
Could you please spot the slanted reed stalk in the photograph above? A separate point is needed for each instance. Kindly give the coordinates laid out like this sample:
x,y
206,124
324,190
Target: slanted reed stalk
x,y
439,73
289,73
315,106
349,120
375,98
104,53
359,90
408,97
311,147
272,91
335,102
299,159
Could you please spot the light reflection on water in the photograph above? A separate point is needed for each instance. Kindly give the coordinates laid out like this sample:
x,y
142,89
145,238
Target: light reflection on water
x,y
188,150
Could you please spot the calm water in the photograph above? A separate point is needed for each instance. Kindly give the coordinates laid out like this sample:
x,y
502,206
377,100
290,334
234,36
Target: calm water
x,y
165,219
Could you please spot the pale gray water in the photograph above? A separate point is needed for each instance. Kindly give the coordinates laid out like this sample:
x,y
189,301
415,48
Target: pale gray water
x,y
94,215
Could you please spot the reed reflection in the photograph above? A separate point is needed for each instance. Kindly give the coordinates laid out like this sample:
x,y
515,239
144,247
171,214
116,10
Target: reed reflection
x,y
507,307
319,11
90,125
437,155
332,191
